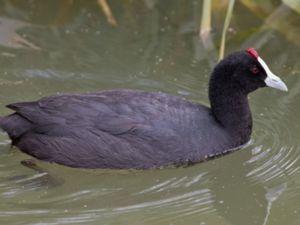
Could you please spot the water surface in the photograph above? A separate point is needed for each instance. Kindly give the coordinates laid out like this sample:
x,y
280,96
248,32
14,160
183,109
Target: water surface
x,y
55,47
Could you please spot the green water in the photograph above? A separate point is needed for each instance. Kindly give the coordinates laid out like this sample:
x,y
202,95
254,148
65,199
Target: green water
x,y
50,47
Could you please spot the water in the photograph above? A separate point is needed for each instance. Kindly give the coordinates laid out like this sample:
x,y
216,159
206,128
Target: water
x,y
68,46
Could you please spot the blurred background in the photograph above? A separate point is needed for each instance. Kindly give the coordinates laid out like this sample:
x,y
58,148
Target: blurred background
x,y
70,46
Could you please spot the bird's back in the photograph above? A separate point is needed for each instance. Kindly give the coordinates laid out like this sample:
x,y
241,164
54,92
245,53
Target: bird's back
x,y
113,129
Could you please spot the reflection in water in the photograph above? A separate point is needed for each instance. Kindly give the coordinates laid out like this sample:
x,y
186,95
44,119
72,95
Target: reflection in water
x,y
10,38
272,195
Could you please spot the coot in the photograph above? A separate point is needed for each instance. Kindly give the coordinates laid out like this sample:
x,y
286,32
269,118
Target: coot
x,y
123,129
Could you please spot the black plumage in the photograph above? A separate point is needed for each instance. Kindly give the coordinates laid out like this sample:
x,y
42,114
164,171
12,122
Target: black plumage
x,y
138,129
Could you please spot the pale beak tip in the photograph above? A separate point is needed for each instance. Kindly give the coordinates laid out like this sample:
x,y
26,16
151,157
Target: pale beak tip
x,y
285,89
283,86
275,82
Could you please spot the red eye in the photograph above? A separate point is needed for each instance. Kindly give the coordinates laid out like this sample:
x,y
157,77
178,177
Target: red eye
x,y
254,70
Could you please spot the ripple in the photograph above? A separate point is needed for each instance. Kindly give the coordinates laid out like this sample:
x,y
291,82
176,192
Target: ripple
x,y
174,183
198,197
177,206
27,212
271,165
5,142
274,155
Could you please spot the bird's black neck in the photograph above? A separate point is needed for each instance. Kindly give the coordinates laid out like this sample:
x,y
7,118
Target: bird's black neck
x,y
230,107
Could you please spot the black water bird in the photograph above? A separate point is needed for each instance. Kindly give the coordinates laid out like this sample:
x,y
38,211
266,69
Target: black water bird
x,y
124,129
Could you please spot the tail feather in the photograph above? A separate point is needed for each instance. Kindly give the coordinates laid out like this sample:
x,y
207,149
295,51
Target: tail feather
x,y
14,125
